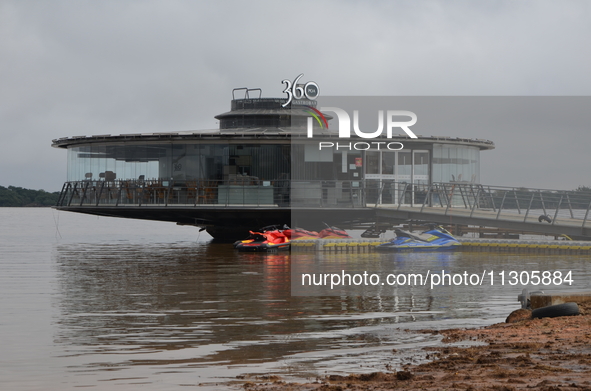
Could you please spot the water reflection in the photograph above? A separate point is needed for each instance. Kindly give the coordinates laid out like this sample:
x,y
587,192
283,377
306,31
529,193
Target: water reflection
x,y
204,306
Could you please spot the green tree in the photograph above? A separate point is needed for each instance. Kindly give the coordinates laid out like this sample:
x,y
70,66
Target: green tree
x,y
17,196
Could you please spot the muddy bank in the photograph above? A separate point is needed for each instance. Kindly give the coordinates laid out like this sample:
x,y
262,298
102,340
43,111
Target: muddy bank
x,y
544,354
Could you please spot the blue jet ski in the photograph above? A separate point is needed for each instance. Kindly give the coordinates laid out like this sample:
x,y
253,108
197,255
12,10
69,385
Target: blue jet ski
x,y
435,239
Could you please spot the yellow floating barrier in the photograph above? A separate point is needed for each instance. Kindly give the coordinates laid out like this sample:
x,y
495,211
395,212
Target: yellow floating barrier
x,y
495,245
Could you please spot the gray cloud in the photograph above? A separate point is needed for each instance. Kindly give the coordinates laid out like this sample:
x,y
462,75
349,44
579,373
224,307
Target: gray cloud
x,y
87,67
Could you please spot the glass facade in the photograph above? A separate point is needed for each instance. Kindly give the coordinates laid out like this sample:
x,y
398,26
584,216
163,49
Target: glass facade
x,y
179,162
298,172
456,163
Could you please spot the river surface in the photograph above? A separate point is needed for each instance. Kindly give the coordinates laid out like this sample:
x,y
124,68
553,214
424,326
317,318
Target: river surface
x,y
115,304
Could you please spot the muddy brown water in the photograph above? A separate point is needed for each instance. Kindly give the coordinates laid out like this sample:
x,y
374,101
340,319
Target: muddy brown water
x,y
114,304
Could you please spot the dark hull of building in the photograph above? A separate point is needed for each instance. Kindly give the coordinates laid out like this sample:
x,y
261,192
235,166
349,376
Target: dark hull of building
x,y
234,223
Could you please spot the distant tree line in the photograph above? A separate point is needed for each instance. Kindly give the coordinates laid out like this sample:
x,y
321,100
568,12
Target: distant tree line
x,y
583,189
17,196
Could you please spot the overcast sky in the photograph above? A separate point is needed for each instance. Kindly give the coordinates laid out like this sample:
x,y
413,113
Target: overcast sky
x,y
72,68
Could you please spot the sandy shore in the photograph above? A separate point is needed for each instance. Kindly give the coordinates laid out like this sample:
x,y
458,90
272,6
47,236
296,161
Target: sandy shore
x,y
542,354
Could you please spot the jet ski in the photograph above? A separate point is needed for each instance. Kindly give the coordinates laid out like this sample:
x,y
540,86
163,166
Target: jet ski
x,y
333,233
269,238
436,238
300,234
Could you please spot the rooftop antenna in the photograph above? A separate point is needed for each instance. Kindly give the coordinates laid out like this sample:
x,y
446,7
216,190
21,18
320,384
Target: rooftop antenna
x,y
247,92
253,89
238,89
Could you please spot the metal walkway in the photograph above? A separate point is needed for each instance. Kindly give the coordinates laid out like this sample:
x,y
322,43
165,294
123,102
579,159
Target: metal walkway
x,y
552,212
206,203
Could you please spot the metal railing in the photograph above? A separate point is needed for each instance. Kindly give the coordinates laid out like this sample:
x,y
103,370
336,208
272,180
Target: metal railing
x,y
526,202
543,204
159,192
247,192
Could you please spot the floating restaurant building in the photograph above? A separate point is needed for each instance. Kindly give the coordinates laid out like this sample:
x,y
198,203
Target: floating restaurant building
x,y
256,170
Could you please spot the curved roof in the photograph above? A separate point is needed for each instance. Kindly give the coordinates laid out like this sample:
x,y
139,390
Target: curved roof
x,y
244,134
263,112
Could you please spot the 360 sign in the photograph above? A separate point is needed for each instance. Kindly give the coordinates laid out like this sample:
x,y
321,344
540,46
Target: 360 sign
x,y
310,90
